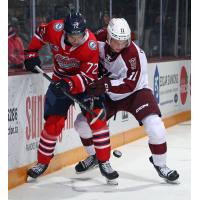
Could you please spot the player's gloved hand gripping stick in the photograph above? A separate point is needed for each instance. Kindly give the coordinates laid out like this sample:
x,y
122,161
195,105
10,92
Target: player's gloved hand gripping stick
x,y
65,92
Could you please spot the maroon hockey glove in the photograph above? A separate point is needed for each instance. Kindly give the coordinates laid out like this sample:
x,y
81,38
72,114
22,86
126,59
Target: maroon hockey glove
x,y
98,87
31,60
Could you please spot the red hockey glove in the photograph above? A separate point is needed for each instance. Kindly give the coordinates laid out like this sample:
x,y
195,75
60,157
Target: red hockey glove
x,y
98,87
31,60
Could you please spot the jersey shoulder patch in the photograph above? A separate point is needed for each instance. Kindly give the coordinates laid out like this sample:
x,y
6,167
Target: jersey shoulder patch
x,y
92,44
58,26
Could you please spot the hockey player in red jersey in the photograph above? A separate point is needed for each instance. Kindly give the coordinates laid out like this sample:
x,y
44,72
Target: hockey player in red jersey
x,y
125,84
75,56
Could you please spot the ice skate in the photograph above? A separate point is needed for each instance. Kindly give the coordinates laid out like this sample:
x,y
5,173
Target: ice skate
x,y
36,171
89,163
164,172
107,171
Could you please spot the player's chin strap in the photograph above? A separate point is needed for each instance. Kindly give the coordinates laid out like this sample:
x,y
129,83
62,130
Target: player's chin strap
x,y
65,92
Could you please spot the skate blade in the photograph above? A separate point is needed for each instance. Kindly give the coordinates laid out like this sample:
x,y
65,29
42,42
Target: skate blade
x,y
30,179
112,182
91,168
175,182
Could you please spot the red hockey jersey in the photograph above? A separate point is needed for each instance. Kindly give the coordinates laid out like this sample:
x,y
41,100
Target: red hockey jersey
x,y
80,63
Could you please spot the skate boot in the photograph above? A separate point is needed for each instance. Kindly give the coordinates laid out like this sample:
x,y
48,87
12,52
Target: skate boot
x,y
108,173
164,172
37,170
89,163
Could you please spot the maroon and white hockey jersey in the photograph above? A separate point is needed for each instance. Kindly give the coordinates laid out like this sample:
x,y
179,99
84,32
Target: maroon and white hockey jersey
x,y
127,69
80,63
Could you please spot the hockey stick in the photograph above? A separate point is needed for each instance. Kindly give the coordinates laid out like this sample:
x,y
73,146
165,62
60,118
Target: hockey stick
x,y
65,92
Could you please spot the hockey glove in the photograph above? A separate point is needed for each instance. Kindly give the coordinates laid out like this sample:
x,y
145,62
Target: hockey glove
x,y
64,84
99,87
31,60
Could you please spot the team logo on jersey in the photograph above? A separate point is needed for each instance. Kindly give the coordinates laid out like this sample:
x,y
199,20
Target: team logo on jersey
x,y
58,27
66,62
92,45
132,62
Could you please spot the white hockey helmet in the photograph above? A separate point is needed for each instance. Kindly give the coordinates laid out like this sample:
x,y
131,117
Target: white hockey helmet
x,y
118,29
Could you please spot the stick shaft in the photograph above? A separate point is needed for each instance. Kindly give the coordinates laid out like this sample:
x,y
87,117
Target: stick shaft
x,y
66,93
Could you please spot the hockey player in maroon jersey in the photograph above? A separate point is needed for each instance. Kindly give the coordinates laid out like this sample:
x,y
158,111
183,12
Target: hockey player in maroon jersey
x,y
76,56
125,84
